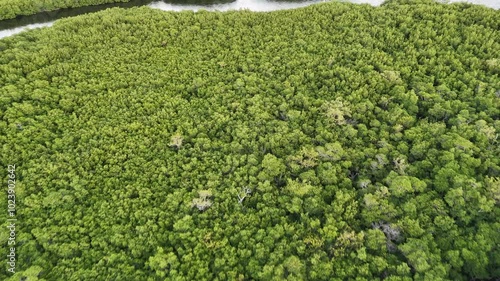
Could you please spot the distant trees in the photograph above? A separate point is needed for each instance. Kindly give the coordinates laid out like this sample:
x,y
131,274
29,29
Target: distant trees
x,y
13,8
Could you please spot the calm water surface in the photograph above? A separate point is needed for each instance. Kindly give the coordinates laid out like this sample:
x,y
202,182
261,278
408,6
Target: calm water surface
x,y
14,26
253,5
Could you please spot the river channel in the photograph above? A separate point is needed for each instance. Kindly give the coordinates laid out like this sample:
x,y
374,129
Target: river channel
x,y
19,24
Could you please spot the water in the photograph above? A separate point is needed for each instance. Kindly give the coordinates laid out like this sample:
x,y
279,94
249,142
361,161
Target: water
x,y
14,26
45,19
253,5
495,4
12,31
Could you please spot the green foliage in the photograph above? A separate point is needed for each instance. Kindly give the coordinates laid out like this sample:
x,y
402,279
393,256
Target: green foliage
x,y
333,142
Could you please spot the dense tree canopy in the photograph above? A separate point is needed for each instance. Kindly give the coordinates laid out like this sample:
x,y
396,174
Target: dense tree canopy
x,y
333,142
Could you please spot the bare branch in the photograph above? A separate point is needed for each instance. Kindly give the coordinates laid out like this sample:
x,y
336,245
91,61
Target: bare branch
x,y
246,191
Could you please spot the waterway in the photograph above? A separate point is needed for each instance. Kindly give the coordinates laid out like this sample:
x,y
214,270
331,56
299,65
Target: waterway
x,y
45,19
